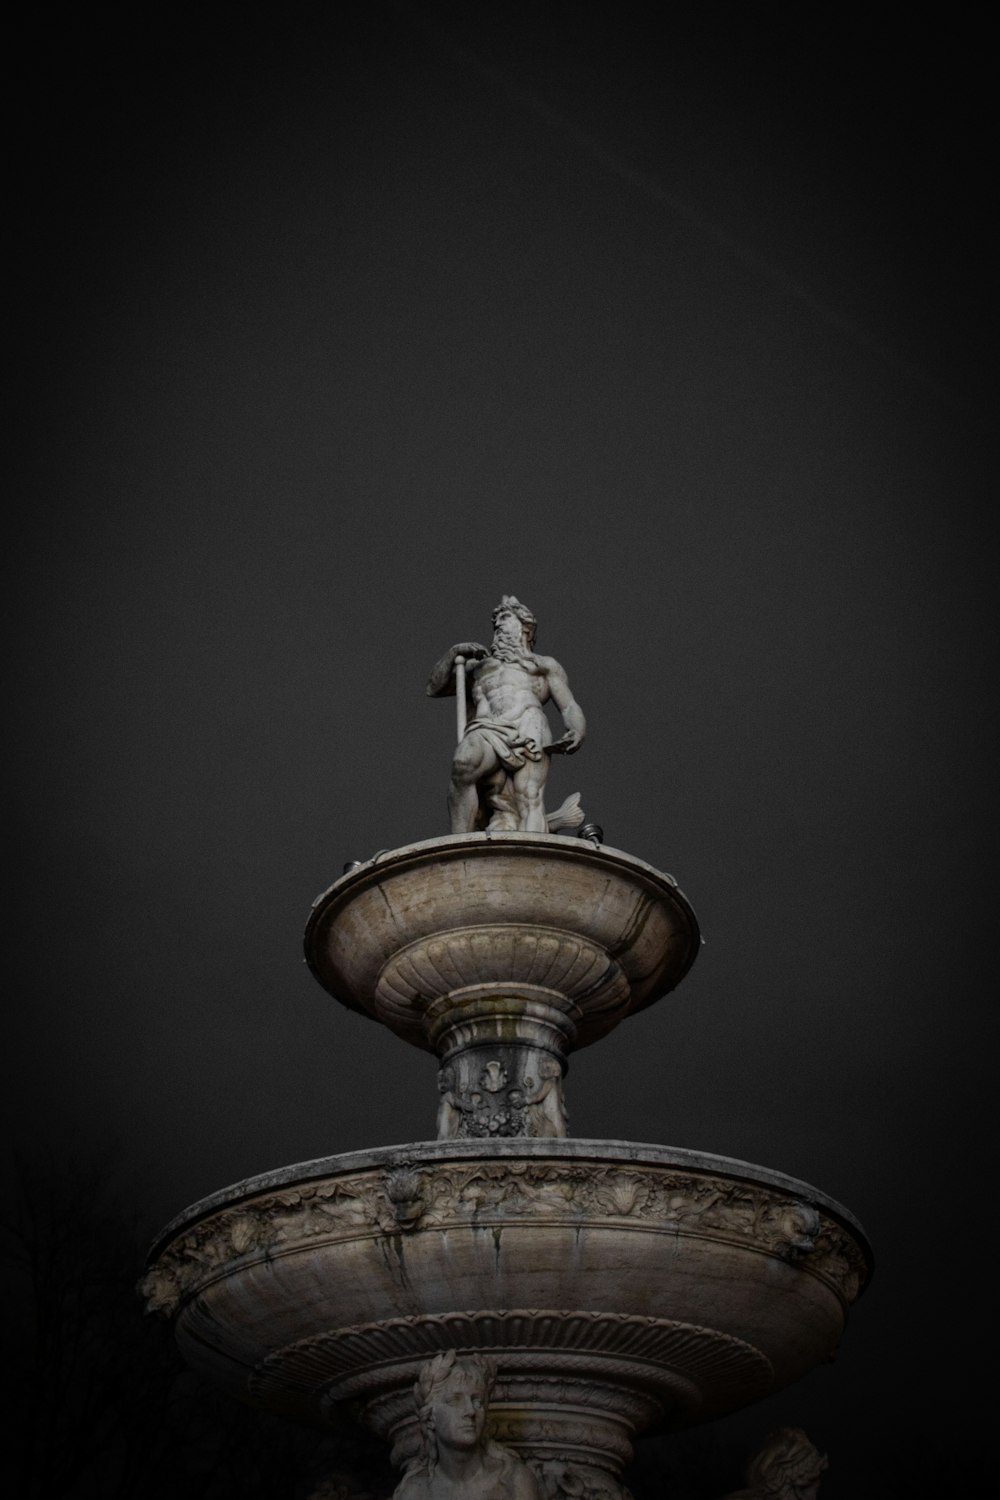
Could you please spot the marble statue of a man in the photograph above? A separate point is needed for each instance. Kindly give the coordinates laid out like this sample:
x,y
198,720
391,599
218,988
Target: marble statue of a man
x,y
459,1461
502,759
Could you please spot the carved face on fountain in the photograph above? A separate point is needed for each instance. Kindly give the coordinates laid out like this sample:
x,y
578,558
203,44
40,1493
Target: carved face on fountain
x,y
452,1399
458,1412
459,1458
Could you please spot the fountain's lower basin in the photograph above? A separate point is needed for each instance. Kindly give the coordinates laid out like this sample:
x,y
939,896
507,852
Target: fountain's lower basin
x,y
620,1287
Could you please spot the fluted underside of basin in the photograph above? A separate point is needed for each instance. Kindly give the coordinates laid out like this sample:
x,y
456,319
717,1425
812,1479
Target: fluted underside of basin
x,y
416,933
619,1287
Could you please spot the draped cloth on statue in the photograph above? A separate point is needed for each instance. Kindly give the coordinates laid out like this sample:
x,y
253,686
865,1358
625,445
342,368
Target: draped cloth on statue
x,y
512,748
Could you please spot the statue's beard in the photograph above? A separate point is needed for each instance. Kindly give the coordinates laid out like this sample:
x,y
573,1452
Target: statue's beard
x,y
504,648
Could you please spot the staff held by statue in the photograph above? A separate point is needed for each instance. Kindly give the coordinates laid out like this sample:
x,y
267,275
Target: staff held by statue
x,y
460,696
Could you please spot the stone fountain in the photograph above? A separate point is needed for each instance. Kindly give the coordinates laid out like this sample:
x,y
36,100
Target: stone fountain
x,y
506,1306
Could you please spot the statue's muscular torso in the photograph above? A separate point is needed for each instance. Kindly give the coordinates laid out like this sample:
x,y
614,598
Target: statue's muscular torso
x,y
505,690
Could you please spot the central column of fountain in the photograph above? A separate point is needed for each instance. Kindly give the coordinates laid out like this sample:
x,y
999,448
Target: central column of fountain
x,y
507,1306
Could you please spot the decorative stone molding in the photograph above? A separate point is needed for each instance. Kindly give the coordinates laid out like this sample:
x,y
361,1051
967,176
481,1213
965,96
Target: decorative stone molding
x,y
566,967
618,1289
572,1387
681,1356
495,1092
439,1195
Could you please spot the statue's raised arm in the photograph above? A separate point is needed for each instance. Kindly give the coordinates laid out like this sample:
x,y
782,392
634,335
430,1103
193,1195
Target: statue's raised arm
x,y
501,761
441,682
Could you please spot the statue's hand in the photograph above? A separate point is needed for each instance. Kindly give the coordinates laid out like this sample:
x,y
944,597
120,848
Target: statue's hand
x,y
566,744
441,683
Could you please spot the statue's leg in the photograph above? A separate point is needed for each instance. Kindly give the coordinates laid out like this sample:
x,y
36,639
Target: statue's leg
x,y
529,794
473,760
496,805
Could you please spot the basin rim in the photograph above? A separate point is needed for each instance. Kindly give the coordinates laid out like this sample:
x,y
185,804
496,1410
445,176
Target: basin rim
x,y
520,1148
455,845
428,869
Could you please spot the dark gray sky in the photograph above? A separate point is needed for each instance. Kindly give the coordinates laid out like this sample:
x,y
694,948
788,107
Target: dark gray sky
x,y
336,327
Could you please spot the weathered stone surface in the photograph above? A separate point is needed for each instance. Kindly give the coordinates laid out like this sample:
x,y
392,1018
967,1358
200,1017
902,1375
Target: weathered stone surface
x,y
617,1287
501,953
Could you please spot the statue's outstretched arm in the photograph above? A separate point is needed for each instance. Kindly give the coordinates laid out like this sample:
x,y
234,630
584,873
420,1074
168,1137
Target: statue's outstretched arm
x,y
572,713
441,682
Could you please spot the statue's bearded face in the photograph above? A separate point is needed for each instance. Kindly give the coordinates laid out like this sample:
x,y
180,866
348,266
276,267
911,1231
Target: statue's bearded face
x,y
507,627
510,630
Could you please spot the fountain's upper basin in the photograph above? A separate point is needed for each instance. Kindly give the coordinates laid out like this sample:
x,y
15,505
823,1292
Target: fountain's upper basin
x,y
441,924
691,1282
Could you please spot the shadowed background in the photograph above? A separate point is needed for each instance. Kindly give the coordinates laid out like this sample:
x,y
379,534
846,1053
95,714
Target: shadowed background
x,y
338,325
